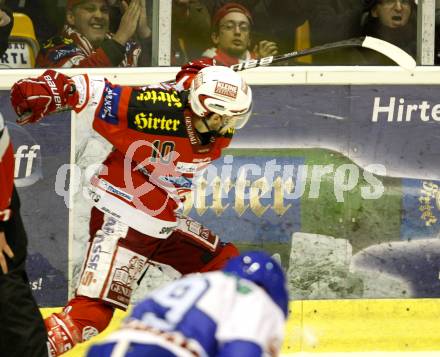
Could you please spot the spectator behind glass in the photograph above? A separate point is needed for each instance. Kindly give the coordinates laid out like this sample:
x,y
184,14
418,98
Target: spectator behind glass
x,y
191,25
85,40
394,21
231,35
6,23
273,20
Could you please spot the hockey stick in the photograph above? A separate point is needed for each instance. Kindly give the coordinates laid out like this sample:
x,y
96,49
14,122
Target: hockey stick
x,y
395,53
148,261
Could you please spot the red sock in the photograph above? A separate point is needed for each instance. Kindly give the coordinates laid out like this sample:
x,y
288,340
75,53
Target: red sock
x,y
86,311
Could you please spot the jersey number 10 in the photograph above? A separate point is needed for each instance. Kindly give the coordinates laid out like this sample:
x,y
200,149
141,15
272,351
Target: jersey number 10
x,y
162,151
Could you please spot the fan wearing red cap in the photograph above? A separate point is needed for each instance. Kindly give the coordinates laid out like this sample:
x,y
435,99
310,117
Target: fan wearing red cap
x,y
231,36
86,41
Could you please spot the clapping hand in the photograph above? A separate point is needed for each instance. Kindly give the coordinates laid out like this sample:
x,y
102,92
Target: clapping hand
x,y
265,49
4,18
129,21
143,30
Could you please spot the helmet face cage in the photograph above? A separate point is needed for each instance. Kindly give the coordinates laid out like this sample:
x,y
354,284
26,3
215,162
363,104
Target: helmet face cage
x,y
218,89
264,271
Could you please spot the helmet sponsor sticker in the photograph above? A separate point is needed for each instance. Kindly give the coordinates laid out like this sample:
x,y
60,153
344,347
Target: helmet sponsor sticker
x,y
226,89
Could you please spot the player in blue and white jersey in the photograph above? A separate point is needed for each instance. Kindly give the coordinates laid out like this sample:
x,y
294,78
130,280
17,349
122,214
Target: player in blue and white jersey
x,y
237,311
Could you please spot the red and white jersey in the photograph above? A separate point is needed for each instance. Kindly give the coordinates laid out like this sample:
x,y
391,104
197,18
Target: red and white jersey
x,y
157,151
224,59
6,172
71,49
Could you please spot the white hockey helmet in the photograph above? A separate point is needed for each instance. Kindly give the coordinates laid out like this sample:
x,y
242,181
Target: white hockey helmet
x,y
219,89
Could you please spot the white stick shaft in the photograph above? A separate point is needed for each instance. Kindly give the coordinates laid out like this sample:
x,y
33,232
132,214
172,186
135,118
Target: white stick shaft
x,y
398,55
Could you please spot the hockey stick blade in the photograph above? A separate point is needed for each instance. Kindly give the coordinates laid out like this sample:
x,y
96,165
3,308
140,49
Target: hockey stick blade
x,y
393,52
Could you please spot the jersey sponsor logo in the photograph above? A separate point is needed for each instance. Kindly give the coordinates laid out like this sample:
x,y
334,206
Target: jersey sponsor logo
x,y
167,230
109,226
144,122
196,228
109,108
189,167
120,293
191,133
177,182
154,96
110,212
198,232
226,89
88,278
95,252
123,278
107,186
101,239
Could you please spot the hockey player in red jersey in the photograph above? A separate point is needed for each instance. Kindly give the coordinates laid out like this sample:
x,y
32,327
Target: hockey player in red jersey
x,y
162,136
22,331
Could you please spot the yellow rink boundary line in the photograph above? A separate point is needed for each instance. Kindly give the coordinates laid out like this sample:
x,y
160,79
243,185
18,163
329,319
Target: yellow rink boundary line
x,y
326,326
